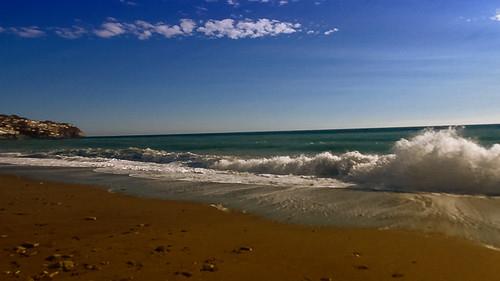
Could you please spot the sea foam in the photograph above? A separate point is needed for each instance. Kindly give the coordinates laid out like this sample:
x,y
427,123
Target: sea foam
x,y
433,161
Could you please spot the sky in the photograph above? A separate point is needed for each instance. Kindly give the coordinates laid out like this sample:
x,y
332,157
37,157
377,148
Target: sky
x,y
118,67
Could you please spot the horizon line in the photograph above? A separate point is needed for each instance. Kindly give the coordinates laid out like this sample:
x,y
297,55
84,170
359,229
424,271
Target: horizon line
x,y
292,130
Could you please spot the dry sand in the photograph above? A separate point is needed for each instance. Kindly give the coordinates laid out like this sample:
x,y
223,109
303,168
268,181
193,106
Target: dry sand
x,y
74,232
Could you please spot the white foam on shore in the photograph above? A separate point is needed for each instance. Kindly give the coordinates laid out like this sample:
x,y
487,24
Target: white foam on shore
x,y
173,171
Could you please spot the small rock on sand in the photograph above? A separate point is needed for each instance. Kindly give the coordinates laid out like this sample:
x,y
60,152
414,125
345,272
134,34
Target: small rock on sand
x,y
64,265
67,265
44,275
162,249
208,266
90,218
91,267
135,264
184,273
20,250
243,249
30,245
361,267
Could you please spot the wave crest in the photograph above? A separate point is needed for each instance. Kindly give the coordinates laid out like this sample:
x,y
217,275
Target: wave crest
x,y
324,164
437,161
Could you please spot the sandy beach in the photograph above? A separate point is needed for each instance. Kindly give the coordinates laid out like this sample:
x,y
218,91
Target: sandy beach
x,y
55,231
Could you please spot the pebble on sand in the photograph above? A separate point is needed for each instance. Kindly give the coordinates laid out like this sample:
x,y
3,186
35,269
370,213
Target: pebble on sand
x,y
184,273
243,249
208,266
30,245
162,249
66,265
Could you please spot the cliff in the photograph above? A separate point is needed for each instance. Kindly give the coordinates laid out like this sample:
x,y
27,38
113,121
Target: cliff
x,y
15,127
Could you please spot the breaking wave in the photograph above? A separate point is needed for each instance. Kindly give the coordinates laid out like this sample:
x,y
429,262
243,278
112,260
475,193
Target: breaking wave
x,y
432,161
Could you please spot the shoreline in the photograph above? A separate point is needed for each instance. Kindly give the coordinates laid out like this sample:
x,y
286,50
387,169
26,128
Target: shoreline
x,y
86,233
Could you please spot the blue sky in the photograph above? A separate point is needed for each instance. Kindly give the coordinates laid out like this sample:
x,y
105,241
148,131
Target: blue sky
x,y
176,66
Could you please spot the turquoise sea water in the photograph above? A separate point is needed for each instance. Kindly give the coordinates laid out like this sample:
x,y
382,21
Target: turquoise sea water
x,y
257,144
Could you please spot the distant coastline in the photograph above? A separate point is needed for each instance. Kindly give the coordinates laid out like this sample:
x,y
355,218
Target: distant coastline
x,y
17,127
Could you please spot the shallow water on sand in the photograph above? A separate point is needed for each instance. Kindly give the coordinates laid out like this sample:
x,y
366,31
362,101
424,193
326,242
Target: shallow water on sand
x,y
472,217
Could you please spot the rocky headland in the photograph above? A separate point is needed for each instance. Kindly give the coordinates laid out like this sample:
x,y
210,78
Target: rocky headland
x,y
16,127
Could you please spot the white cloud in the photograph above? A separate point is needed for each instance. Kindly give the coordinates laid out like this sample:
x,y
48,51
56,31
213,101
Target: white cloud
x,y
497,16
110,29
28,32
247,28
144,30
141,29
73,32
331,31
187,25
167,30
225,28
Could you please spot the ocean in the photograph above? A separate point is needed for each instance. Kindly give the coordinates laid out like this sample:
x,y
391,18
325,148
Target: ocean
x,y
441,179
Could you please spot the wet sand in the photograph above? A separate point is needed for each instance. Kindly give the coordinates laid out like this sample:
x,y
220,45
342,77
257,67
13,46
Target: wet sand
x,y
54,231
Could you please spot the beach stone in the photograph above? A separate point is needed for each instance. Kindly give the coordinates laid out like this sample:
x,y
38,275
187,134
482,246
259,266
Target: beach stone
x,y
20,250
91,218
161,249
30,245
210,267
184,273
243,249
133,263
91,267
64,265
361,267
67,265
